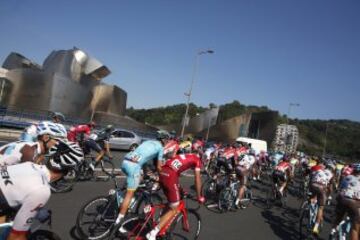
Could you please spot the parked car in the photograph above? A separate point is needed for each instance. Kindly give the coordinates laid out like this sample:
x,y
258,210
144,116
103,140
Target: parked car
x,y
124,140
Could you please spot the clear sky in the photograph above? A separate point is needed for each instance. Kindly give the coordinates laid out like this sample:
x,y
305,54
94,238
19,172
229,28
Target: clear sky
x,y
267,52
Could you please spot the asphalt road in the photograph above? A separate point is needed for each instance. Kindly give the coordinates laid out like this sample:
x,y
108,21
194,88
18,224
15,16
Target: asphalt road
x,y
255,222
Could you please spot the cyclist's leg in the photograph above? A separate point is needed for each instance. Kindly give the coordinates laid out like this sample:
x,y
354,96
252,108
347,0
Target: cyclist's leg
x,y
132,171
170,184
320,193
353,209
242,174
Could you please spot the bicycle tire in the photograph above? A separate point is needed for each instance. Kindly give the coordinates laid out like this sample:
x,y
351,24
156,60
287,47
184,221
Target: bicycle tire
x,y
98,228
107,166
155,198
208,190
132,224
43,235
304,228
270,198
177,230
246,201
226,200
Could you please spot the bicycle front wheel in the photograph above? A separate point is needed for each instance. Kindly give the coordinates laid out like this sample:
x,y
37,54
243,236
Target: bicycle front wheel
x,y
226,200
186,227
209,191
107,166
96,218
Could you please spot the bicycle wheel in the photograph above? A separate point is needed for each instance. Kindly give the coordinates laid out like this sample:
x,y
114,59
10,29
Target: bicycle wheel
x,y
226,200
96,217
305,225
183,228
211,168
133,227
209,191
64,184
246,201
270,198
107,166
153,198
43,235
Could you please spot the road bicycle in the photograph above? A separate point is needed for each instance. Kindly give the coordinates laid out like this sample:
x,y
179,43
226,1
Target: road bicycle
x,y
342,230
274,196
42,218
185,225
229,194
97,217
308,213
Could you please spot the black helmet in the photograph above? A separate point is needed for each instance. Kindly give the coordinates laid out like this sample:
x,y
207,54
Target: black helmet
x,y
161,135
109,128
58,115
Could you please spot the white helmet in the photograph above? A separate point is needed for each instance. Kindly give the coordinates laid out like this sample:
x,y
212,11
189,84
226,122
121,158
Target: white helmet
x,y
65,155
53,129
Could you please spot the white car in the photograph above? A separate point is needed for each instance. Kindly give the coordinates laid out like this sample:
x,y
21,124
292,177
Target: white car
x,y
124,140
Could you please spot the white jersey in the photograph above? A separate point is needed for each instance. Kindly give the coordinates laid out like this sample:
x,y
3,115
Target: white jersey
x,y
25,185
350,187
17,152
322,177
247,161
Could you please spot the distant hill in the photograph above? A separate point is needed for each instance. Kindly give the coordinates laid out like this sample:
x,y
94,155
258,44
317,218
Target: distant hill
x,y
343,136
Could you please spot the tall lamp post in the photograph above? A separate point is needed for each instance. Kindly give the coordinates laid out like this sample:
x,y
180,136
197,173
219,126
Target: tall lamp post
x,y
188,94
287,123
325,141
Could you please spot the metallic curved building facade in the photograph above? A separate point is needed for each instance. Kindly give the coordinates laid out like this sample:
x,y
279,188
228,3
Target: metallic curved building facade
x,y
68,81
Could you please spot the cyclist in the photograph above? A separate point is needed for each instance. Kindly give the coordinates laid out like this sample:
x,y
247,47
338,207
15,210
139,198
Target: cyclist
x,y
22,151
133,163
169,180
282,174
26,185
226,159
319,180
81,134
348,201
244,164
102,138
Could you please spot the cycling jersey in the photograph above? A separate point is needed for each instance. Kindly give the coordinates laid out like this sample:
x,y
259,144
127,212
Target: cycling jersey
x,y
133,161
197,145
25,185
169,175
247,161
17,152
183,162
321,176
76,131
346,171
171,148
283,167
350,187
229,153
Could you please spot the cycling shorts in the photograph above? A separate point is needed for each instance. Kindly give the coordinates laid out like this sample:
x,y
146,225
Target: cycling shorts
x,y
349,206
169,181
320,191
279,176
91,144
226,163
133,174
242,173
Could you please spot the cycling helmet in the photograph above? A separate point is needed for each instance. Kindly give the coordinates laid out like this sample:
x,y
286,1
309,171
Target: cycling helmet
x,y
161,135
58,115
50,128
331,166
109,128
64,155
355,167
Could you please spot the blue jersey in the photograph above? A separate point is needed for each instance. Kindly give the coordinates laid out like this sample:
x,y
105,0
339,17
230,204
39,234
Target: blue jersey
x,y
147,151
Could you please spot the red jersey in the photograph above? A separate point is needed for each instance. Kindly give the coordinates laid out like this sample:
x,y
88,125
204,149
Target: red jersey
x,y
184,162
171,148
79,129
229,153
283,166
346,171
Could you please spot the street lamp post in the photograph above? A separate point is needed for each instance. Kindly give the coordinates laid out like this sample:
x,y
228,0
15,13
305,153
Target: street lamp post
x,y
188,94
287,123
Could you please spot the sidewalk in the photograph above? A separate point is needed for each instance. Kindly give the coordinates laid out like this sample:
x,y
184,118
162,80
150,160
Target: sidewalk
x,y
8,134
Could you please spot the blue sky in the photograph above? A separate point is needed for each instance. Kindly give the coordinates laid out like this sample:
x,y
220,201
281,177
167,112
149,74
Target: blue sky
x,y
269,52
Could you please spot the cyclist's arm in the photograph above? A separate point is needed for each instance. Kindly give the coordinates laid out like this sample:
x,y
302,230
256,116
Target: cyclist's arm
x,y
198,182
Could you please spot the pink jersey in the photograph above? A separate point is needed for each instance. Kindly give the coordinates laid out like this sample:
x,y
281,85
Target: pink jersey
x,y
184,162
283,167
171,148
